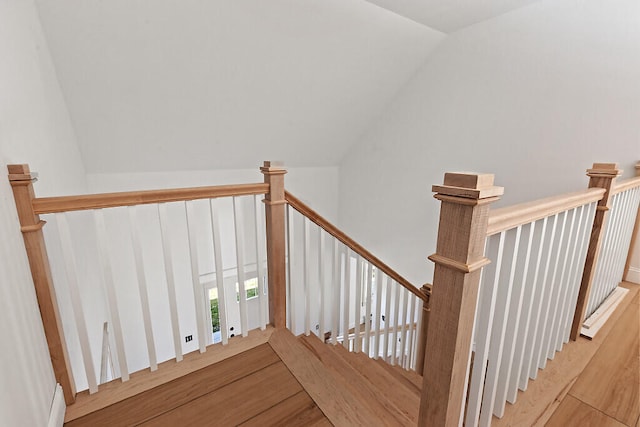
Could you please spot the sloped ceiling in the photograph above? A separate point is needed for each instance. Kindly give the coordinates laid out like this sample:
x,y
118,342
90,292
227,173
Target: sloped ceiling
x,y
208,84
451,15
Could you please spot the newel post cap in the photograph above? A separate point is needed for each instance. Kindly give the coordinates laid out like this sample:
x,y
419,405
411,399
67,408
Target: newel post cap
x,y
273,166
604,170
637,169
21,173
468,185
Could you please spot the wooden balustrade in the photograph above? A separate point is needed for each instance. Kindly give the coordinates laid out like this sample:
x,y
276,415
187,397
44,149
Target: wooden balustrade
x,y
601,175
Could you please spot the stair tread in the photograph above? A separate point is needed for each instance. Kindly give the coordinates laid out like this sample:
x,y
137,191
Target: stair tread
x,y
339,405
400,407
411,379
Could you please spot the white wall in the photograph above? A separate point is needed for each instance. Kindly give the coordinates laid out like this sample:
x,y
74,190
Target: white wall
x,y
34,128
209,84
535,96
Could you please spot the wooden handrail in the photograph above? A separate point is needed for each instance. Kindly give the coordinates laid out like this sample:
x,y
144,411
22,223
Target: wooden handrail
x,y
625,185
46,205
512,216
316,218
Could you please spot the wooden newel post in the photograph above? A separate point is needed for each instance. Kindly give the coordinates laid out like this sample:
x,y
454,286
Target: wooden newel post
x,y
464,213
276,262
21,181
424,327
634,236
601,175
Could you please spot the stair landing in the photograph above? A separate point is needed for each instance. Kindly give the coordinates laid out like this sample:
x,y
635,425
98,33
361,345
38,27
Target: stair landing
x,y
292,381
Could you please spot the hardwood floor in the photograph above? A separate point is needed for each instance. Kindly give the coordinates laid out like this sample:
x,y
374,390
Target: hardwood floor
x,y
607,392
253,388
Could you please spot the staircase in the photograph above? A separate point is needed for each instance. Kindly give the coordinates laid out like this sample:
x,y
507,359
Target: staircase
x,y
350,388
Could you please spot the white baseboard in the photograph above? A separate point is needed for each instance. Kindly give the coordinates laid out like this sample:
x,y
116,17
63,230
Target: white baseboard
x,y
58,409
633,275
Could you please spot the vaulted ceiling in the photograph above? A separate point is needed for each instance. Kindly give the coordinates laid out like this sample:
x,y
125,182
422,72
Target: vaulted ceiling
x,y
208,84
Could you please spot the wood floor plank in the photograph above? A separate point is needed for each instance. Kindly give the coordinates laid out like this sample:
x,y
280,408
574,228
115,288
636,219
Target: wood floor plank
x,y
372,399
543,396
611,380
236,402
116,391
574,413
338,405
298,410
163,398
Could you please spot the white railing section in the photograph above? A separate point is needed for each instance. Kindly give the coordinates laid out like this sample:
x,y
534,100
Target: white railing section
x,y
526,304
344,299
615,246
156,273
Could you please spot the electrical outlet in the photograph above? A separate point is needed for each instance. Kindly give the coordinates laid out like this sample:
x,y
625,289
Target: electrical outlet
x,y
188,338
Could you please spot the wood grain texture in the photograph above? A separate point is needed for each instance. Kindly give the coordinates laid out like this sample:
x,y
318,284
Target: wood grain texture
x,y
372,399
598,178
298,410
523,213
543,396
276,241
141,381
180,391
573,413
317,219
236,402
23,193
462,232
129,198
340,407
611,380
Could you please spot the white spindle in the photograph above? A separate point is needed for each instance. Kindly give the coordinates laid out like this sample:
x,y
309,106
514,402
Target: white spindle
x,y
335,320
238,220
357,343
306,254
535,307
500,320
484,316
367,314
395,324
563,285
412,327
403,327
142,288
171,287
321,282
263,301
378,312
387,319
112,301
290,287
217,257
544,303
195,277
554,288
76,300
346,293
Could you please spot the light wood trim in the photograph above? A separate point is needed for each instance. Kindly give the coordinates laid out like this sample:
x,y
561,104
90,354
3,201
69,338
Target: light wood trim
x,y
319,220
600,176
634,236
47,205
31,225
276,239
626,184
512,216
116,391
461,238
